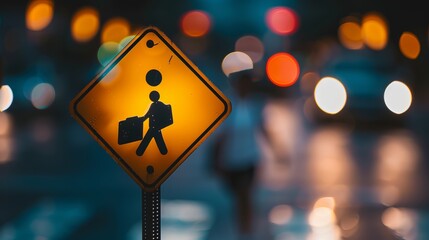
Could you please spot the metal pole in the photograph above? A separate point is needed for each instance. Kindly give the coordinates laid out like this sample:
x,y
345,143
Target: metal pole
x,y
151,215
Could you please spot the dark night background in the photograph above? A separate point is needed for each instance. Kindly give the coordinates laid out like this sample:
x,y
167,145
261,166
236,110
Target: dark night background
x,y
58,183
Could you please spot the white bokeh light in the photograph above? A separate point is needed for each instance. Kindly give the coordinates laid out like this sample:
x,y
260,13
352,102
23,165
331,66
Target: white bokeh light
x,y
6,97
330,95
236,62
397,97
43,95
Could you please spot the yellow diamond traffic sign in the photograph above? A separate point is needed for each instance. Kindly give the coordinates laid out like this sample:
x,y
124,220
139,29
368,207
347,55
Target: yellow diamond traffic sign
x,y
150,108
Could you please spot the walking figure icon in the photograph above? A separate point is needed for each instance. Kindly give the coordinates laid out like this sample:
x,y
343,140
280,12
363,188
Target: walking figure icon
x,y
159,114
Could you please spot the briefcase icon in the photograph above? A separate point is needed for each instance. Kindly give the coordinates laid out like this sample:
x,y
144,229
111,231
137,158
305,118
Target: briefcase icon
x,y
166,117
130,130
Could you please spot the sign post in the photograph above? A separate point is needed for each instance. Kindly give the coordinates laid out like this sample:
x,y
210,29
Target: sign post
x,y
150,108
151,214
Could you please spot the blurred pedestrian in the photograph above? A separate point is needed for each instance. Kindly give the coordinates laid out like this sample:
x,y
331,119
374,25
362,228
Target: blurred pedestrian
x,y
237,150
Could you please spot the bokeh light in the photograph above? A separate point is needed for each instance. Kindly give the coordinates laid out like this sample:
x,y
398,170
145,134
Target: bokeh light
x,y
349,222
43,95
350,34
195,23
282,69
401,220
397,97
39,14
6,137
409,45
321,216
124,42
282,20
115,30
107,52
392,218
323,221
330,95
327,202
375,32
236,62
252,46
308,81
5,124
331,166
85,24
6,97
281,214
6,148
398,158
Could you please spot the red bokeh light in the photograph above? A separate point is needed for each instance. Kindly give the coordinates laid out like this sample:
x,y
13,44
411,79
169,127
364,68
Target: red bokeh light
x,y
282,69
195,23
282,20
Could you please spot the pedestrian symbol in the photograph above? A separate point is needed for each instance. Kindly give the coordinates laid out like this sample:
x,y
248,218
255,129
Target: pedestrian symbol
x,y
150,108
159,116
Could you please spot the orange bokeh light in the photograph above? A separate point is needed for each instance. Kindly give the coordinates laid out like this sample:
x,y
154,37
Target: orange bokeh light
x,y
195,23
115,30
39,14
282,20
375,31
350,34
282,69
85,24
409,45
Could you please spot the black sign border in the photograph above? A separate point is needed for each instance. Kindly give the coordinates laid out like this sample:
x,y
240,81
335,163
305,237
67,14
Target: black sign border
x,y
105,71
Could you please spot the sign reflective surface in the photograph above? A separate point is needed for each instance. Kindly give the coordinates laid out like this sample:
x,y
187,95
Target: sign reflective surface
x,y
150,108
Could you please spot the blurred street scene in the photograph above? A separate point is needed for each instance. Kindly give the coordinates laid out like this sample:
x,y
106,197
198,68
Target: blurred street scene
x,y
328,136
